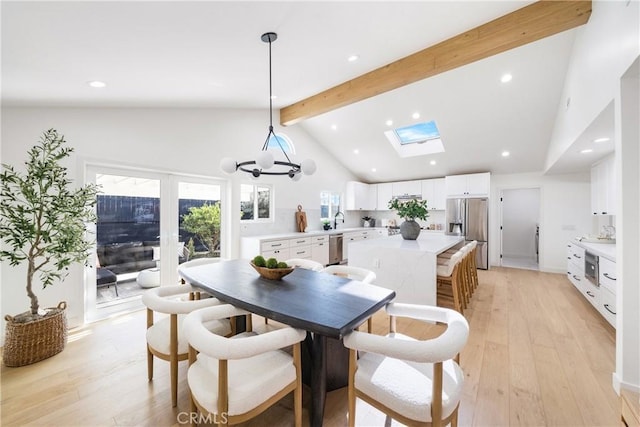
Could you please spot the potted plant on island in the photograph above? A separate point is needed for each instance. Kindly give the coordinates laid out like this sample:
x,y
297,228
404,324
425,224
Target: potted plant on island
x,y
43,224
410,210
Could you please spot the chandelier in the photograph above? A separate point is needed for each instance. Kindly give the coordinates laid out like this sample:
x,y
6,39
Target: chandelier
x,y
264,161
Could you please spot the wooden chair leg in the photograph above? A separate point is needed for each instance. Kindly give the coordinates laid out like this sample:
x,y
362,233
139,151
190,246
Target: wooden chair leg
x,y
149,364
369,324
297,394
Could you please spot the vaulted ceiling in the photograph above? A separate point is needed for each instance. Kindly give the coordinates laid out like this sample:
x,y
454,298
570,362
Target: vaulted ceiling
x,y
209,54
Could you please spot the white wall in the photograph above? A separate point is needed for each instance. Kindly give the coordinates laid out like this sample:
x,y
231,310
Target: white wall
x,y
565,202
174,140
603,50
520,215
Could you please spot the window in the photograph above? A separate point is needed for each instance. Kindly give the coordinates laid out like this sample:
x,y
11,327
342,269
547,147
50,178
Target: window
x,y
256,202
282,141
419,139
329,205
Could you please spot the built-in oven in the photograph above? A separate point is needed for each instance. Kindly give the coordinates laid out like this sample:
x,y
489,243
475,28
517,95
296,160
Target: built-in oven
x,y
591,268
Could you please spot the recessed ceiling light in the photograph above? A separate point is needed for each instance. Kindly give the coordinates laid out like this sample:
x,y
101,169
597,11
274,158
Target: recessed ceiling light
x,y
356,151
353,58
97,84
373,169
505,154
506,78
334,127
274,96
416,115
432,162
587,150
389,122
599,140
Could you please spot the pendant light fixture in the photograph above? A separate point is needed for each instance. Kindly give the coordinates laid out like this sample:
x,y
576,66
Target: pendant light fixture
x,y
264,161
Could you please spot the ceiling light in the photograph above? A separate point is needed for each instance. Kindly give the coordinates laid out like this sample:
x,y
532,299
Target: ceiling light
x,y
356,151
599,140
353,58
505,154
416,115
334,127
373,169
264,159
389,122
274,96
432,162
506,78
97,84
586,150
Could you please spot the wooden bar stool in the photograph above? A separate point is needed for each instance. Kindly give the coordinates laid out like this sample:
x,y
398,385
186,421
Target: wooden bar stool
x,y
449,282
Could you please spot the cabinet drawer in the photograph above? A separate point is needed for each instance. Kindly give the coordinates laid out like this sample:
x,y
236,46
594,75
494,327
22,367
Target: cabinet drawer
x,y
319,239
576,278
607,306
575,253
274,244
300,252
279,254
607,276
301,241
592,294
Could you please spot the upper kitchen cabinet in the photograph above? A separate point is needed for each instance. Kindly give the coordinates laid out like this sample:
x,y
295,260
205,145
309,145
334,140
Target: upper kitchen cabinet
x,y
470,185
433,191
358,197
383,195
405,189
603,187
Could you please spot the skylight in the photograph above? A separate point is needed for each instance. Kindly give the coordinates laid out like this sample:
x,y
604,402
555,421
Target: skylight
x,y
419,139
417,133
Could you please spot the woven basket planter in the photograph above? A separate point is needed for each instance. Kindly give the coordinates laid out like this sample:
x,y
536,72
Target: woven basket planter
x,y
31,342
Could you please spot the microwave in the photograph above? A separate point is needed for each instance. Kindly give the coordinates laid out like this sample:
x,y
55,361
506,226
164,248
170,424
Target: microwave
x,y
591,268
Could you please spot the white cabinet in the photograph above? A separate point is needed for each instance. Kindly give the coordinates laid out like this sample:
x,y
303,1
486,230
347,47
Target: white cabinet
x,y
471,185
603,297
383,196
320,249
358,197
406,188
433,191
355,236
603,187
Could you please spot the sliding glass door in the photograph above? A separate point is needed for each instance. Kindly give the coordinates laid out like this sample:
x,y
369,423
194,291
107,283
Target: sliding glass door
x,y
142,216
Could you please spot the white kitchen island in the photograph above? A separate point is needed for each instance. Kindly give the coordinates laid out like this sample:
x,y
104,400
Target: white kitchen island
x,y
406,266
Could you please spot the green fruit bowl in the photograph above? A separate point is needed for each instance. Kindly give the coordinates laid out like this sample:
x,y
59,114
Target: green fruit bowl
x,y
271,273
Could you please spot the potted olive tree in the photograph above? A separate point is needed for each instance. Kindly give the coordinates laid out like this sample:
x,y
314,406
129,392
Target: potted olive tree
x,y
43,224
410,210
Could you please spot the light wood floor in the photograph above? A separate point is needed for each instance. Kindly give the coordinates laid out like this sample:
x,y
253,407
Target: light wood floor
x,y
538,354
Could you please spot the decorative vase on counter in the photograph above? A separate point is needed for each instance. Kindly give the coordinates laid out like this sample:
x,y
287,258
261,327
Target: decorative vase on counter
x,y
410,230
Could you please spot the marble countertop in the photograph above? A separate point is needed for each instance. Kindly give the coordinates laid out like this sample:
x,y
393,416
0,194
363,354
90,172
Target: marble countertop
x,y
426,242
606,250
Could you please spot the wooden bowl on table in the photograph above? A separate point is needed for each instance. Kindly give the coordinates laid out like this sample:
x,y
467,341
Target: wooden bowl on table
x,y
271,273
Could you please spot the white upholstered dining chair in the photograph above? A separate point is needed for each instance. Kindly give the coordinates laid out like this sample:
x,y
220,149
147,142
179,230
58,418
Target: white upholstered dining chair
x,y
237,378
416,382
304,263
165,337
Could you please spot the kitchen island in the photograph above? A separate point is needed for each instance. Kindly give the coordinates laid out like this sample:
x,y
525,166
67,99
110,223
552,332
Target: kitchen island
x,y
406,266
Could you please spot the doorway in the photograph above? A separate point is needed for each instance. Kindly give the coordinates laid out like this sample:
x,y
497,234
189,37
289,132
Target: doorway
x,y
520,228
141,216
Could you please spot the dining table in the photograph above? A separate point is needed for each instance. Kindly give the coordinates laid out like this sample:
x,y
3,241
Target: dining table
x,y
325,305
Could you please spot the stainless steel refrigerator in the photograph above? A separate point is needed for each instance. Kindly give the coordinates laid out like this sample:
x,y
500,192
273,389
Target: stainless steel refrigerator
x,y
470,218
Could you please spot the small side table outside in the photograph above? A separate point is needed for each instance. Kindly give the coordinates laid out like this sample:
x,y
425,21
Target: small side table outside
x,y
149,278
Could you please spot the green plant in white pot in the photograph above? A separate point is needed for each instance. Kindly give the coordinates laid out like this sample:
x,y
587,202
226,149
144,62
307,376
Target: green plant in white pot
x,y
43,223
410,210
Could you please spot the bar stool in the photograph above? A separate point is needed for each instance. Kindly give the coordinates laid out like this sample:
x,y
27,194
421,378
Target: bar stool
x,y
449,278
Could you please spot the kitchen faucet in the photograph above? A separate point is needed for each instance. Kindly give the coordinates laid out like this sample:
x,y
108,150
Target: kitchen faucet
x,y
335,220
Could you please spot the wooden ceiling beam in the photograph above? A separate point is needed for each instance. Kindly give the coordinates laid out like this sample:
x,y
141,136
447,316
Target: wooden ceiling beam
x,y
525,25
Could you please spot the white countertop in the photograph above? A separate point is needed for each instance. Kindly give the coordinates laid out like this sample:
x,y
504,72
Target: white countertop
x,y
426,242
311,233
606,250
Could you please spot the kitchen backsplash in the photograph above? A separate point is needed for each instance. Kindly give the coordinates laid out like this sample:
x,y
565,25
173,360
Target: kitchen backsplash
x,y
285,222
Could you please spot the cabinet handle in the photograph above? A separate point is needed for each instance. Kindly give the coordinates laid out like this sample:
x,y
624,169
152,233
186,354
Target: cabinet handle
x,y
608,277
575,277
576,256
590,294
609,310
604,213
300,241
301,252
275,245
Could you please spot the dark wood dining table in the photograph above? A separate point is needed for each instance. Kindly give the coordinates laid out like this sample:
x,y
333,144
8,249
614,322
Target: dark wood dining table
x,y
326,306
